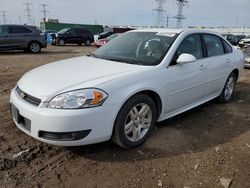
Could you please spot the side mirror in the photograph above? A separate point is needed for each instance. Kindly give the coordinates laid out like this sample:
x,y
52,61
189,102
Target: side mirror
x,y
67,33
186,58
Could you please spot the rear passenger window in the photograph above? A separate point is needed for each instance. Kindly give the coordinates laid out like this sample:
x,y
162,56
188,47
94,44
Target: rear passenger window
x,y
227,47
214,45
17,29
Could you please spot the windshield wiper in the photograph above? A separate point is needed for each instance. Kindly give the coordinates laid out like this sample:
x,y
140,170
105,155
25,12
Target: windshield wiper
x,y
121,60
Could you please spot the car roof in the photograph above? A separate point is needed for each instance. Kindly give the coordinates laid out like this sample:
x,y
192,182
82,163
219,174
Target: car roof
x,y
176,31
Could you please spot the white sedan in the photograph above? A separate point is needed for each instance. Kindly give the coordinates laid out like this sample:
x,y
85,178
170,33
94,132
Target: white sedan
x,y
121,90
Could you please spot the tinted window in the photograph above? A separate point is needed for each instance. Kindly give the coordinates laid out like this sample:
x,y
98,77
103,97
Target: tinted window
x,y
71,32
214,45
4,30
227,47
191,45
17,29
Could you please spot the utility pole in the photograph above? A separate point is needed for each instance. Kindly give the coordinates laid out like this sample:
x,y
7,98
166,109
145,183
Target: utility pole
x,y
44,10
4,16
28,12
160,13
179,17
167,21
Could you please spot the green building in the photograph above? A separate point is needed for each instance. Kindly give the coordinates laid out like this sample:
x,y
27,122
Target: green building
x,y
95,29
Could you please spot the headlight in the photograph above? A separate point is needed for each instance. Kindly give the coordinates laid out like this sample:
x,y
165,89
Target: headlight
x,y
78,99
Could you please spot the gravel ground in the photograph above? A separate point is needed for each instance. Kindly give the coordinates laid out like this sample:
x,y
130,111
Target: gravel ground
x,y
205,147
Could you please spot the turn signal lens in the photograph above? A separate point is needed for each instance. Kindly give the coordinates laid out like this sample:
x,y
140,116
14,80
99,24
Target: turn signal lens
x,y
98,97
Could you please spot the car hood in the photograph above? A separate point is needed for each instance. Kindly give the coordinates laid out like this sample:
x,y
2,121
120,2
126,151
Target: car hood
x,y
82,72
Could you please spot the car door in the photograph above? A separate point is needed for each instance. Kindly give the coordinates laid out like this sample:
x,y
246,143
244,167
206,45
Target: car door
x,y
70,36
5,41
186,83
219,63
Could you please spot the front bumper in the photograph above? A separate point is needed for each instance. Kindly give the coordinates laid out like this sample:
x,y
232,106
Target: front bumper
x,y
96,121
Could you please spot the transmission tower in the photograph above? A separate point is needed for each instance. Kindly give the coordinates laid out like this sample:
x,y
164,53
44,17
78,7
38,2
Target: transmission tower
x,y
28,12
160,13
44,10
179,17
4,16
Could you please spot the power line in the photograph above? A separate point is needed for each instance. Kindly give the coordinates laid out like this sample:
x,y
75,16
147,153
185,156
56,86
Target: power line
x,y
4,16
179,17
160,13
44,10
28,12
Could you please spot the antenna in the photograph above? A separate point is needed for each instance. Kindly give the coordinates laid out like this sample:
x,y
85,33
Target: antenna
x,y
4,16
160,13
28,10
179,17
44,10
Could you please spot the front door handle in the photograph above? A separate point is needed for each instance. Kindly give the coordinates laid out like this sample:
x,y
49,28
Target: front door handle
x,y
202,67
228,61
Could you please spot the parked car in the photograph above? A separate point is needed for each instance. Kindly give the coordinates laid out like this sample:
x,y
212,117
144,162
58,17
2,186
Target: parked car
x,y
231,38
75,36
121,90
247,62
101,42
21,37
239,37
105,34
245,42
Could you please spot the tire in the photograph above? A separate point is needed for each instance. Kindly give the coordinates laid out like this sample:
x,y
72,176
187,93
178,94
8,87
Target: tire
x,y
34,47
87,42
228,90
61,42
138,127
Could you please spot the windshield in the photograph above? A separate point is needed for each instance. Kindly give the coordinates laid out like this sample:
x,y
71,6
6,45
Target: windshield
x,y
63,31
143,48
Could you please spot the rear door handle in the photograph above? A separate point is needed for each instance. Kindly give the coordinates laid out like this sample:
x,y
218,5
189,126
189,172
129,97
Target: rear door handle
x,y
202,67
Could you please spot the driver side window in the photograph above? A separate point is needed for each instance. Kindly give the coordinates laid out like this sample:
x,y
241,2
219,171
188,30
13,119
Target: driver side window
x,y
190,45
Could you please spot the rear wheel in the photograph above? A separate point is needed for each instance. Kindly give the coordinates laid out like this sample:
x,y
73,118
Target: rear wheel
x,y
228,90
34,47
135,121
87,42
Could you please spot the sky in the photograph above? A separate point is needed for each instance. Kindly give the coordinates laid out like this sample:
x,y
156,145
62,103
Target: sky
x,y
226,13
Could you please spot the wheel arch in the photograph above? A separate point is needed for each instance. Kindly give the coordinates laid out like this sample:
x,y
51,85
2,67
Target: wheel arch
x,y
152,94
34,41
236,72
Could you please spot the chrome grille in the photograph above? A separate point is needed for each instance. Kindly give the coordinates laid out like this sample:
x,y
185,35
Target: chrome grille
x,y
32,100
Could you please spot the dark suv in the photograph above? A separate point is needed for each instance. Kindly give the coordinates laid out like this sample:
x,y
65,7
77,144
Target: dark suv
x,y
21,37
75,36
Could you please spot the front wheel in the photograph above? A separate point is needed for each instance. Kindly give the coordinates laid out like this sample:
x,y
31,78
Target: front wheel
x,y
228,90
61,42
135,121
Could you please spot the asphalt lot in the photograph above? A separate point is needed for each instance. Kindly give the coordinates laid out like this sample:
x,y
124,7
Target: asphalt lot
x,y
200,148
